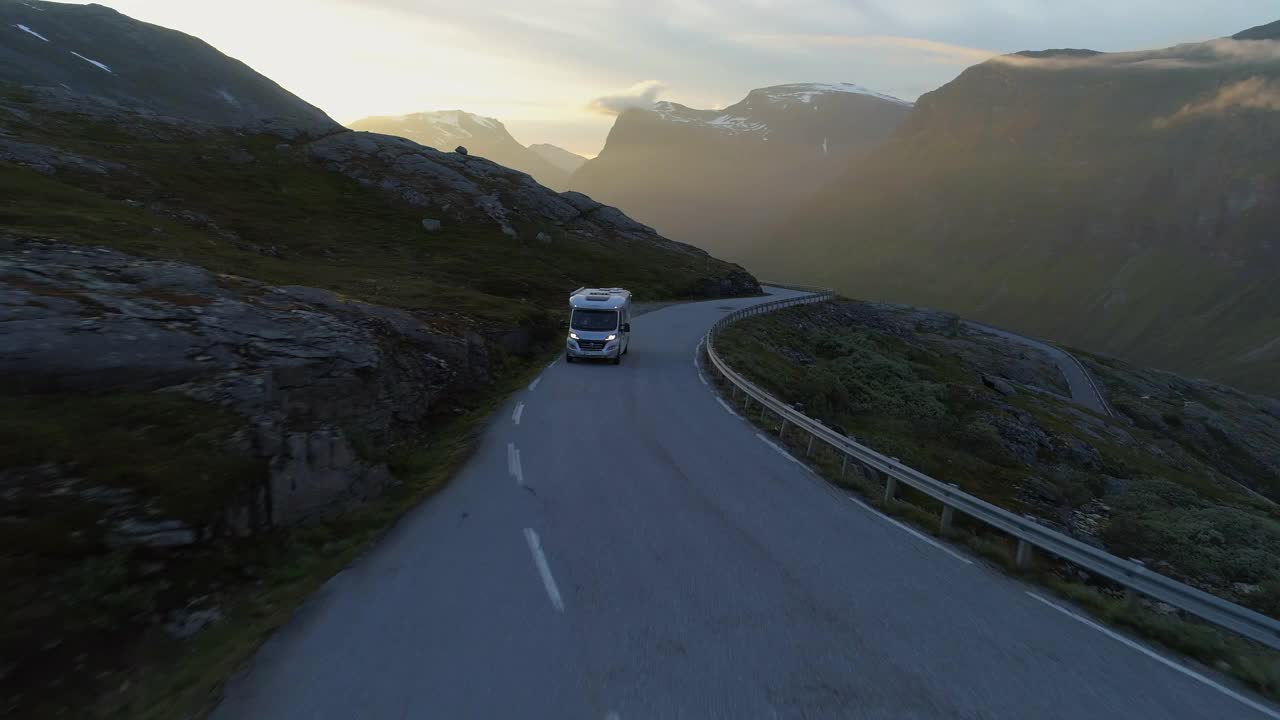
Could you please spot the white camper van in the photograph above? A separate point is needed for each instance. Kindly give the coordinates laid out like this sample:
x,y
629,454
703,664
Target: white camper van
x,y
599,324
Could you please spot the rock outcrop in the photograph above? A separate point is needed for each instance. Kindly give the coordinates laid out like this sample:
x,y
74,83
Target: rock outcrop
x,y
314,376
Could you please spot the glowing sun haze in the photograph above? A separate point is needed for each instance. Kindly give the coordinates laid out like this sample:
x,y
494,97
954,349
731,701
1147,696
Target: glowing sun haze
x,y
553,70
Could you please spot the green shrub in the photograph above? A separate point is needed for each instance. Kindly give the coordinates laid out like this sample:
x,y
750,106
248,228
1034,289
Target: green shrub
x,y
1216,543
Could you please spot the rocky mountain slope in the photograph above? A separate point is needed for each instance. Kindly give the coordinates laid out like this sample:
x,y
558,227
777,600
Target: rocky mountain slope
x,y
713,177
481,136
1122,202
558,156
72,52
216,334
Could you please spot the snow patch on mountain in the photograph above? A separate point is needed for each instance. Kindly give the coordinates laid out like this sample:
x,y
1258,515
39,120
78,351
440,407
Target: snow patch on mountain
x,y
807,92
734,123
95,63
450,123
724,122
676,112
739,120
29,31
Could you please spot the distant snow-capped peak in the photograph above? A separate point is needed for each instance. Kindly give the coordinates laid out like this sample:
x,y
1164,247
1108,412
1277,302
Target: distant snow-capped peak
x,y
727,122
450,123
737,119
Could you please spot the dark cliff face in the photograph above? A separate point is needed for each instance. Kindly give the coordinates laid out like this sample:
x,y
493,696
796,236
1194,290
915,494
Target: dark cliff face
x,y
713,177
1120,202
77,51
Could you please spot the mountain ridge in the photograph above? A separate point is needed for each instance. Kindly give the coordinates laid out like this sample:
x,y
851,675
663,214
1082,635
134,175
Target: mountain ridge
x,y
564,159
711,177
482,136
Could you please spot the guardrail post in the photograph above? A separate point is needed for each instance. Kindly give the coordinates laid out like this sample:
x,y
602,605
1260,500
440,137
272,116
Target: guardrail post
x,y
948,515
844,466
782,431
890,488
809,452
1022,556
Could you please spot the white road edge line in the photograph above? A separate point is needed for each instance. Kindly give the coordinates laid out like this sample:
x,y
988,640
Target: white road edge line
x,y
779,450
727,408
702,377
697,354
1161,659
515,414
910,530
534,385
549,582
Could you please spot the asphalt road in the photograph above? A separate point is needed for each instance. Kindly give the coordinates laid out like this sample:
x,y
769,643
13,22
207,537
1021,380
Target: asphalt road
x,y
1083,391
629,549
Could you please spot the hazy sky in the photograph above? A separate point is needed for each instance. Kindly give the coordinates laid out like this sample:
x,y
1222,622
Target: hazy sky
x,y
538,64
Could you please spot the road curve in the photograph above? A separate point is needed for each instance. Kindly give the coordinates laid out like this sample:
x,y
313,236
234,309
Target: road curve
x,y
622,546
1084,391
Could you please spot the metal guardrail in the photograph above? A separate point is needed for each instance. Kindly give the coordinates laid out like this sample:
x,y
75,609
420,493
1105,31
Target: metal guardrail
x,y
1028,533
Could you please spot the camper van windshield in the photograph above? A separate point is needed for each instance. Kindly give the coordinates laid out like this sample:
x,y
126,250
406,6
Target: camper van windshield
x,y
595,320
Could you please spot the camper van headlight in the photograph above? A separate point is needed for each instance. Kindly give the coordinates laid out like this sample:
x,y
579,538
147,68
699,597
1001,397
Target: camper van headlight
x,y
611,337
573,335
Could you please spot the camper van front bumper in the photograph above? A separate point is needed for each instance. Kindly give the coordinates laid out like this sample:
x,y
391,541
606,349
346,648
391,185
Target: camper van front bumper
x,y
592,348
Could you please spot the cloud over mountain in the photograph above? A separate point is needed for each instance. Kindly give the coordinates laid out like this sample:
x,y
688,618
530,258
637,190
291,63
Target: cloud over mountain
x,y
640,96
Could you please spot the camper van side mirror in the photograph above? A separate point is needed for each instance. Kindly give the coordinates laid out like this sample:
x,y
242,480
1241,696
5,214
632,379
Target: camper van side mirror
x,y
626,327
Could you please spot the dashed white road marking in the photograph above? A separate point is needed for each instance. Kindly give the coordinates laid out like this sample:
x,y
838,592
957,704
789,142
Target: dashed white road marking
x,y
539,559
515,414
513,464
702,377
612,715
534,385
728,408
697,354
1161,659
911,530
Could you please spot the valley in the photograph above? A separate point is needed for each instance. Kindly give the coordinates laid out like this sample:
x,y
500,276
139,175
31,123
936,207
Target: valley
x,y
288,427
